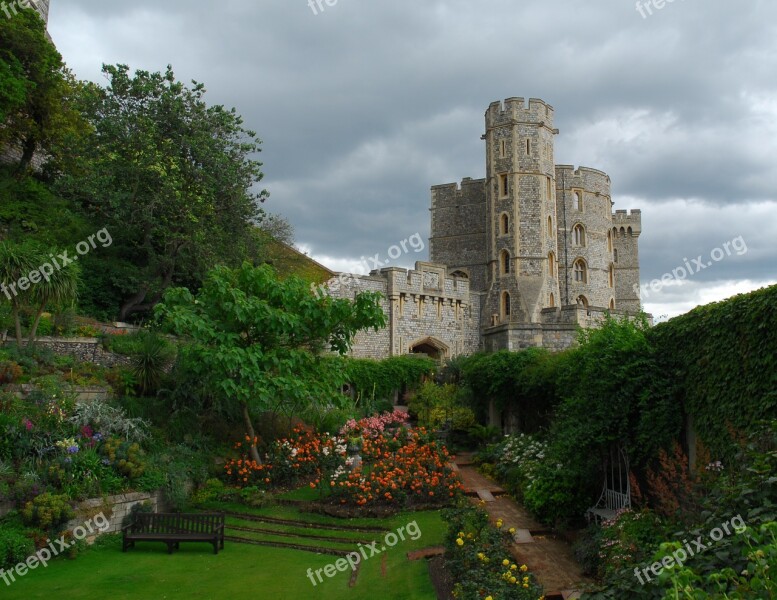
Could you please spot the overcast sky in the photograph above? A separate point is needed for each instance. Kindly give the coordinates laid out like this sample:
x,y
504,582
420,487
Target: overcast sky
x,y
365,105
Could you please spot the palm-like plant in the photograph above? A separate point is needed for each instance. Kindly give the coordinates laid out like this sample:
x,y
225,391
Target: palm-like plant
x,y
59,289
16,262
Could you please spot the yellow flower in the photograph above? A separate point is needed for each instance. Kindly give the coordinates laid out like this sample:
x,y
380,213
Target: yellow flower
x,y
524,568
499,522
513,567
459,541
511,530
505,562
525,585
512,580
489,598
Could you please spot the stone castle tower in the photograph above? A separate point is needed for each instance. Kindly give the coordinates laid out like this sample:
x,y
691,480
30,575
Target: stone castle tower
x,y
520,258
42,6
538,240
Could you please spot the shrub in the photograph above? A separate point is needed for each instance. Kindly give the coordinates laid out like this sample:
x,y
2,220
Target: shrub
x,y
15,546
10,372
48,511
126,457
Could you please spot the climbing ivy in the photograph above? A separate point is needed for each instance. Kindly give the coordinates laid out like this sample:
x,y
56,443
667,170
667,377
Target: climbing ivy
x,y
722,358
379,378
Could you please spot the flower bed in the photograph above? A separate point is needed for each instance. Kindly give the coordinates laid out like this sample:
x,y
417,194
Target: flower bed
x,y
477,555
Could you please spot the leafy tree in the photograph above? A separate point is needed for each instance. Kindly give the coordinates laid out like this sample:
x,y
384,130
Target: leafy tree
x,y
36,90
171,178
46,285
262,343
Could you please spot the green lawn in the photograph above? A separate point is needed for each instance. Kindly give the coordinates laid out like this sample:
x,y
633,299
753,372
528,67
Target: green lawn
x,y
147,571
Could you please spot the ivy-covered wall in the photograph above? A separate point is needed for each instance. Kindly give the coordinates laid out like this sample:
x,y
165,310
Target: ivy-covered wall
x,y
722,362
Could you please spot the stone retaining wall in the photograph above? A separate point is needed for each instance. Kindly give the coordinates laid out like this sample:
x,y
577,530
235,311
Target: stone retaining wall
x,y
82,349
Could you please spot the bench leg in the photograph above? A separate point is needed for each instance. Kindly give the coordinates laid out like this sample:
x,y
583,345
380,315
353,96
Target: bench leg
x,y
170,546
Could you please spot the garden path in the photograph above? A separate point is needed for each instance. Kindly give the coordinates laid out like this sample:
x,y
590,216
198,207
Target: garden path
x,y
548,556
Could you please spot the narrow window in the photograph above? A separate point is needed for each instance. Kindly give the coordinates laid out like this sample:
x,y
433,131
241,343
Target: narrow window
x,y
609,241
615,255
528,146
612,304
503,185
611,277
502,148
581,271
550,227
549,186
505,225
505,262
506,308
578,235
552,264
578,201
552,301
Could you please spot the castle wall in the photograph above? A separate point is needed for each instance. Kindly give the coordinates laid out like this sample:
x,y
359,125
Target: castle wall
x,y
458,237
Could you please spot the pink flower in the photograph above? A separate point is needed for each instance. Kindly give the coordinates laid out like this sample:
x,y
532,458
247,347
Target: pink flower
x,y
28,424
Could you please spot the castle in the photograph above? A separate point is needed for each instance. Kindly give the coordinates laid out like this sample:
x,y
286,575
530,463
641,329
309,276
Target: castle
x,y
521,258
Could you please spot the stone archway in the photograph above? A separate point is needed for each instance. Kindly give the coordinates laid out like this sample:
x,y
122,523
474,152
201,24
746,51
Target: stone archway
x,y
432,347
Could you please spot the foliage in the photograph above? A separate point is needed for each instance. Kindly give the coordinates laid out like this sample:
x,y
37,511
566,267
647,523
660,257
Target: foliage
x,y
479,559
260,343
372,379
37,107
435,405
522,382
172,179
109,420
48,511
722,359
19,265
152,362
15,546
517,459
127,457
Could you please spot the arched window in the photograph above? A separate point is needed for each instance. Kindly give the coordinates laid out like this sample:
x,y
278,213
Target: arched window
x,y
552,301
578,235
611,276
552,264
504,188
504,224
582,301
578,201
506,308
504,262
581,271
612,303
630,231
551,233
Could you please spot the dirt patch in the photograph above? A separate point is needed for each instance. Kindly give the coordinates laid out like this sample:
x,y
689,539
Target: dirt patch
x,y
441,578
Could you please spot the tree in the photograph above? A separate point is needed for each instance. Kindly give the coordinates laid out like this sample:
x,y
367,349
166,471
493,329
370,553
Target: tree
x,y
171,178
263,343
36,90
29,280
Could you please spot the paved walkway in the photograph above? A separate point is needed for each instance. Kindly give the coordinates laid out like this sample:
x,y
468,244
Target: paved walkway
x,y
548,557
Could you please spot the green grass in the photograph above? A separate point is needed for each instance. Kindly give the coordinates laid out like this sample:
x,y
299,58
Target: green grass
x,y
193,572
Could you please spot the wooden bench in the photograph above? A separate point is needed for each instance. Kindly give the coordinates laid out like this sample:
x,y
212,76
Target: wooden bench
x,y
174,528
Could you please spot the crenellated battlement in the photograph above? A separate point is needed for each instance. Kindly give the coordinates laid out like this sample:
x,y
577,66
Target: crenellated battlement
x,y
517,110
427,279
628,220
585,178
469,191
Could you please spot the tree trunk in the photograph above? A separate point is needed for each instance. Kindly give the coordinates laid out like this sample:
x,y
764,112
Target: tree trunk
x,y
28,152
18,324
34,328
250,431
131,302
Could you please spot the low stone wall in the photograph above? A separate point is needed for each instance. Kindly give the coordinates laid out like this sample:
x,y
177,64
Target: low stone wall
x,y
79,392
115,508
82,349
